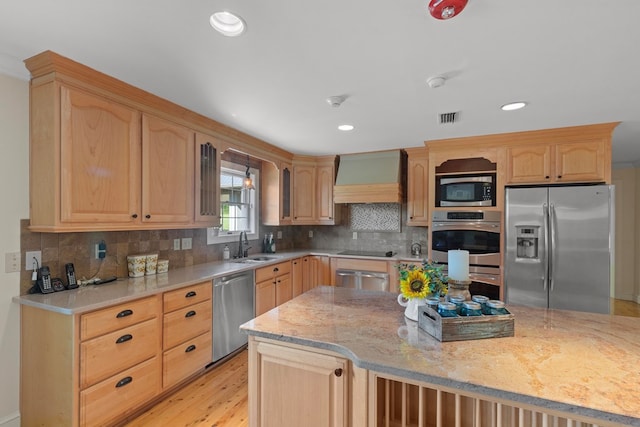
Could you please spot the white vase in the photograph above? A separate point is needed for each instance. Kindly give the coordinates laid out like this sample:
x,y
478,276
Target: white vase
x,y
411,306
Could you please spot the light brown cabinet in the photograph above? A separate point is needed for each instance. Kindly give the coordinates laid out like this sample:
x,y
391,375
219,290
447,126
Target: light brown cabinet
x,y
557,163
167,172
273,286
286,377
319,272
277,190
187,335
313,180
300,274
417,186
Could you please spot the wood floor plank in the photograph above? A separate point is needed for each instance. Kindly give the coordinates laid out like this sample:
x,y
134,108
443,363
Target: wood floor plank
x,y
217,399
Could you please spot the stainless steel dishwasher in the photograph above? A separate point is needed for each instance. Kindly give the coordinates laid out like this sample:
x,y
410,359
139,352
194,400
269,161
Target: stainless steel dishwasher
x,y
233,305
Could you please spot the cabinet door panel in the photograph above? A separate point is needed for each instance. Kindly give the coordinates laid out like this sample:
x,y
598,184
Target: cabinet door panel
x,y
100,159
324,195
304,203
580,161
167,171
529,164
265,296
283,289
288,377
417,187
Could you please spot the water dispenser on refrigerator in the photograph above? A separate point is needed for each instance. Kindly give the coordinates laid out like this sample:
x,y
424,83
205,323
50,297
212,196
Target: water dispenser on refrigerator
x,y
527,239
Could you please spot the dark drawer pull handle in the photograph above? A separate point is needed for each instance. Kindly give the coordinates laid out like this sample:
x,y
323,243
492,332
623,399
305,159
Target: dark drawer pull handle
x,y
124,313
124,338
190,294
123,382
338,372
276,269
190,313
190,348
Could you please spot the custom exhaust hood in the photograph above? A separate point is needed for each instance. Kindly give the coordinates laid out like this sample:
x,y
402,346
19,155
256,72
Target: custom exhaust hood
x,y
369,178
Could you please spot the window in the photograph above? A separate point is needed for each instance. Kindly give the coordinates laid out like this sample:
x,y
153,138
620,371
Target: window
x,y
238,205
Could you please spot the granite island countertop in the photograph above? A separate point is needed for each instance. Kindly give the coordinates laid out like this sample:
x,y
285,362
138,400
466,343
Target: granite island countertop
x,y
580,363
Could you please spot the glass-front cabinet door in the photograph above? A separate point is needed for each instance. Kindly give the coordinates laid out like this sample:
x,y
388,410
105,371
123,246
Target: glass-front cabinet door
x,y
207,186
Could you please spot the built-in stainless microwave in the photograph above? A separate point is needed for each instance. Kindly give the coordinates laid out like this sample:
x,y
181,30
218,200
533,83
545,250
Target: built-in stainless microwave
x,y
466,190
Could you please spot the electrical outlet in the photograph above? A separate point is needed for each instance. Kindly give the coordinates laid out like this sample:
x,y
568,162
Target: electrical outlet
x,y
311,234
279,234
11,262
186,243
176,244
29,263
355,235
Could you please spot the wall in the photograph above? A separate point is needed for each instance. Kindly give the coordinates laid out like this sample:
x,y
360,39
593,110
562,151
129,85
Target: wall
x,y
627,233
14,173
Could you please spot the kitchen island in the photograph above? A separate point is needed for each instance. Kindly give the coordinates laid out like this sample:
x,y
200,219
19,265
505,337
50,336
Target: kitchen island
x,y
341,357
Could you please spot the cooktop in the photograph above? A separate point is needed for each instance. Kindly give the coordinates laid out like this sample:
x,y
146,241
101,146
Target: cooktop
x,y
382,254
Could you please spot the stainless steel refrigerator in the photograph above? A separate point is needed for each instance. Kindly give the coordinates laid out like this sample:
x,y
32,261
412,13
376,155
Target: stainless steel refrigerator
x,y
559,247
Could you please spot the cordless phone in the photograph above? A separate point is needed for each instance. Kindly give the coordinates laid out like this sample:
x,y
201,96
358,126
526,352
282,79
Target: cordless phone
x,y
44,281
72,283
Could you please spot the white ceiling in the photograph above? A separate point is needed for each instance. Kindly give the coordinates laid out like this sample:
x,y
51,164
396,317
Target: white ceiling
x,y
574,61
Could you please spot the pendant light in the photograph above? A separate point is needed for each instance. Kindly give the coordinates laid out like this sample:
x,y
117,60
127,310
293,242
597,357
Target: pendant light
x,y
247,183
446,9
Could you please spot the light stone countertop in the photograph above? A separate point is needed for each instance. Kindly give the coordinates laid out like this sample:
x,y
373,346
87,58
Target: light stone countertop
x,y
93,297
580,363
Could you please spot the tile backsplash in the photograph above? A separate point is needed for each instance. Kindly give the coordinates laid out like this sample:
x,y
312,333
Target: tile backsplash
x,y
79,248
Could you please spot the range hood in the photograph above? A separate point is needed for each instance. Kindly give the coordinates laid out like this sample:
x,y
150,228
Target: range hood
x,y
369,178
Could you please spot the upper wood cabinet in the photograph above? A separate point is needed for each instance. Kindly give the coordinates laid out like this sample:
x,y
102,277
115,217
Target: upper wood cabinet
x,y
99,152
313,180
167,171
277,190
557,163
207,181
417,186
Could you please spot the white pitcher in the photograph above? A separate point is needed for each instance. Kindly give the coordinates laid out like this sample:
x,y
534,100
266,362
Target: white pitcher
x,y
411,306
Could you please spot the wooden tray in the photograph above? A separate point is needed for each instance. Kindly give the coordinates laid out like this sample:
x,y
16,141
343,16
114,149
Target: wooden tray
x,y
464,328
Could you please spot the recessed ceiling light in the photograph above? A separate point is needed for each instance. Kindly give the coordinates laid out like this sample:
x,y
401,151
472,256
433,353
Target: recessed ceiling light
x,y
228,24
513,106
345,128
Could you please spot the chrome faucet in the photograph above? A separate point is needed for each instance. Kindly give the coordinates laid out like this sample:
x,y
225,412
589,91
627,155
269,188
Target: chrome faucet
x,y
243,245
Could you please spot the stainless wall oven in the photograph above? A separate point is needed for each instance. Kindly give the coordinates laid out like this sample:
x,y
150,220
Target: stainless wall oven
x,y
477,232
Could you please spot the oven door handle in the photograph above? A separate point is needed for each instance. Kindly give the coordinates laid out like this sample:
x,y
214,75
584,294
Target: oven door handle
x,y
474,226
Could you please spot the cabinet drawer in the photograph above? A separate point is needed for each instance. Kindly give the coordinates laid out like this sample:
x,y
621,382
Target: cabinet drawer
x,y
186,359
266,273
104,356
186,323
119,316
186,296
120,394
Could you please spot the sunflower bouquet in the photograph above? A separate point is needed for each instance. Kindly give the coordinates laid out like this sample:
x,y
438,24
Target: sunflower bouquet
x,y
420,281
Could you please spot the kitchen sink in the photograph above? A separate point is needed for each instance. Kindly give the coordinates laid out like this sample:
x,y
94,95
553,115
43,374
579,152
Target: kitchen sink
x,y
256,259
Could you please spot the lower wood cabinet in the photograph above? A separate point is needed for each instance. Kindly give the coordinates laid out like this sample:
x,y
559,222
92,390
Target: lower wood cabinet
x,y
294,387
187,334
273,286
99,367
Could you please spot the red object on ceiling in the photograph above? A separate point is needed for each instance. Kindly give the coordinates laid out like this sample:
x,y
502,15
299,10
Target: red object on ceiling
x,y
446,9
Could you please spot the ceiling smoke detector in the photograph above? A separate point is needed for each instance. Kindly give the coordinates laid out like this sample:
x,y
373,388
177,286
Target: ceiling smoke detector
x,y
436,81
336,101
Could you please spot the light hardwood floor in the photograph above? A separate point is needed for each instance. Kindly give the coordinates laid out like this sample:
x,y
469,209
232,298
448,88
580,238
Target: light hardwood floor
x,y
219,397
216,399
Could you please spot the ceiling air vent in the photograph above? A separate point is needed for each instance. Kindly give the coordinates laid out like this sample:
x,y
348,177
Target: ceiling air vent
x,y
449,117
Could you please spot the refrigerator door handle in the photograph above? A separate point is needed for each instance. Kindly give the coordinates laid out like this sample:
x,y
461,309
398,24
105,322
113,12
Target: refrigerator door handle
x,y
545,215
552,220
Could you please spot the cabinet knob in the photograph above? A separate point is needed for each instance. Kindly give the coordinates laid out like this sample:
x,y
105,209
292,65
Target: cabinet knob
x,y
410,217
147,216
134,216
276,269
338,372
559,176
546,177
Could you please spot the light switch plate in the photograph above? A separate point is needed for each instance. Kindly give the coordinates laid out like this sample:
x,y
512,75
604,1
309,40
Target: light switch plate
x,y
11,262
279,234
176,244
